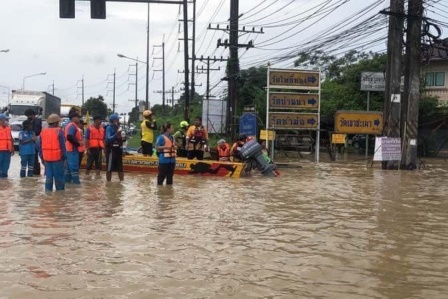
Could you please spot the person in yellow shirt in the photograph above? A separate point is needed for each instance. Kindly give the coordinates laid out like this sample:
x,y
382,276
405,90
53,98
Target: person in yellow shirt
x,y
197,140
148,127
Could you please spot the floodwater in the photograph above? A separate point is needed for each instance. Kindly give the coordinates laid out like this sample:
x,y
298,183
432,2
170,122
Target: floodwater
x,y
333,230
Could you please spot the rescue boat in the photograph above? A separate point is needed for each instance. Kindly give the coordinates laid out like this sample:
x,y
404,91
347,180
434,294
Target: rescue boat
x,y
141,164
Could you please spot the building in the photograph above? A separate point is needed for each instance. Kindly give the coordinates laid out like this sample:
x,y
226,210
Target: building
x,y
435,71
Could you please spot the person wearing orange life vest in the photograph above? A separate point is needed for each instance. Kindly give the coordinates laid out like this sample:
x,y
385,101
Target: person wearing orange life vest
x,y
74,144
236,148
6,146
166,149
52,151
94,141
82,148
223,151
196,139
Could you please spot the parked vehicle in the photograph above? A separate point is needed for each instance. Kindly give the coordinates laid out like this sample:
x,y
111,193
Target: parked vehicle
x,y
43,103
16,127
359,141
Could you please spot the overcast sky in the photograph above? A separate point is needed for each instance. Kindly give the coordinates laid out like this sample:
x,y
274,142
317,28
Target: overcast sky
x,y
68,49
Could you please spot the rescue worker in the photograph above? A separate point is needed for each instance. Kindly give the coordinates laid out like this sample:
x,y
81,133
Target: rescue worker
x,y
197,139
236,148
37,128
148,126
6,146
74,145
223,150
81,148
180,139
94,141
114,151
166,149
51,146
27,149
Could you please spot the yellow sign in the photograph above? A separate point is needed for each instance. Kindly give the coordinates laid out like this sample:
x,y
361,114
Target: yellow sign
x,y
286,120
358,122
283,100
294,79
338,138
267,135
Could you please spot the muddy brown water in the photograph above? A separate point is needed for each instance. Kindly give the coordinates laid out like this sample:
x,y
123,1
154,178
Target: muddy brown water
x,y
333,230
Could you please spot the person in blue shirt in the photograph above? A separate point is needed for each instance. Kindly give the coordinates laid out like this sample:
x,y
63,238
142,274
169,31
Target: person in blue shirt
x,y
37,128
166,149
114,151
27,148
74,145
52,151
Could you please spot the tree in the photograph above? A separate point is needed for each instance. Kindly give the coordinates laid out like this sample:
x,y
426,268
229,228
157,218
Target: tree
x,y
96,106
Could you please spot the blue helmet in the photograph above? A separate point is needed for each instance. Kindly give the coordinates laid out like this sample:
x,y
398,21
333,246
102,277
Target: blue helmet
x,y
113,117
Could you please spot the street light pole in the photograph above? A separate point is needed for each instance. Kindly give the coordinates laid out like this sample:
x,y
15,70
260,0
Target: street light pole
x,y
39,74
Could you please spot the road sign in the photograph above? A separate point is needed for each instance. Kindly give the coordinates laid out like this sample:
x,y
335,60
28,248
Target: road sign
x,y
358,122
373,81
285,100
267,135
338,138
248,124
294,79
387,149
286,120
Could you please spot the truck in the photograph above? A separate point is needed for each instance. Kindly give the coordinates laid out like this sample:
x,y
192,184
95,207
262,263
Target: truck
x,y
65,109
42,102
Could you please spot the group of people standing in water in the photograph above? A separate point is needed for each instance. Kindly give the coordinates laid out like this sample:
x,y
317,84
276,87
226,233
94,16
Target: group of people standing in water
x,y
61,149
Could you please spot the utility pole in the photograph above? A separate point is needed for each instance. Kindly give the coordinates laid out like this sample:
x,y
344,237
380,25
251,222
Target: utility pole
x,y
193,51
207,70
82,90
233,67
147,62
187,83
113,89
392,103
163,72
412,84
113,95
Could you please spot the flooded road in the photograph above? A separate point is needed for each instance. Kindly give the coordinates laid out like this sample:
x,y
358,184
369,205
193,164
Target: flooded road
x,y
333,230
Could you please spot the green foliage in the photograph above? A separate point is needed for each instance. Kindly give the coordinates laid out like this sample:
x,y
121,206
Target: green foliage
x,y
96,106
134,115
342,79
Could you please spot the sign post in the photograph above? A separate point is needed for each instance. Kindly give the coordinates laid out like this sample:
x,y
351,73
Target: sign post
x,y
286,96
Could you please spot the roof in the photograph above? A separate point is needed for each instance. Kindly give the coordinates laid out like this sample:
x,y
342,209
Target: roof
x,y
437,50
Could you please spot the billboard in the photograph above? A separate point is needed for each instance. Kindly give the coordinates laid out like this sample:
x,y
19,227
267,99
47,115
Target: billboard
x,y
214,115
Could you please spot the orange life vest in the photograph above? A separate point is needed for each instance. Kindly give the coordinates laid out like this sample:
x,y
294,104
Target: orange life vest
x,y
5,139
224,153
78,137
51,150
96,137
168,152
81,148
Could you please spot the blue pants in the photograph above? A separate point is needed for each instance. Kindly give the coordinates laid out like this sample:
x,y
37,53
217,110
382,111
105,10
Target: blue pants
x,y
72,169
54,171
27,160
5,161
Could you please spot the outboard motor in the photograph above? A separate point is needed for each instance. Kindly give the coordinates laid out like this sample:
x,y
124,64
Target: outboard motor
x,y
251,151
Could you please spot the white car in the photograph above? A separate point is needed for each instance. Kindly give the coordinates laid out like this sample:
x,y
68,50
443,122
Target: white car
x,y
16,127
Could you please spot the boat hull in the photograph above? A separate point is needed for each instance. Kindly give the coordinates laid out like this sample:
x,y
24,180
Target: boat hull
x,y
141,164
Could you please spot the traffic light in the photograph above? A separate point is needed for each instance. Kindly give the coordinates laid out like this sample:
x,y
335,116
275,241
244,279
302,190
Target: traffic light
x,y
67,9
98,9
